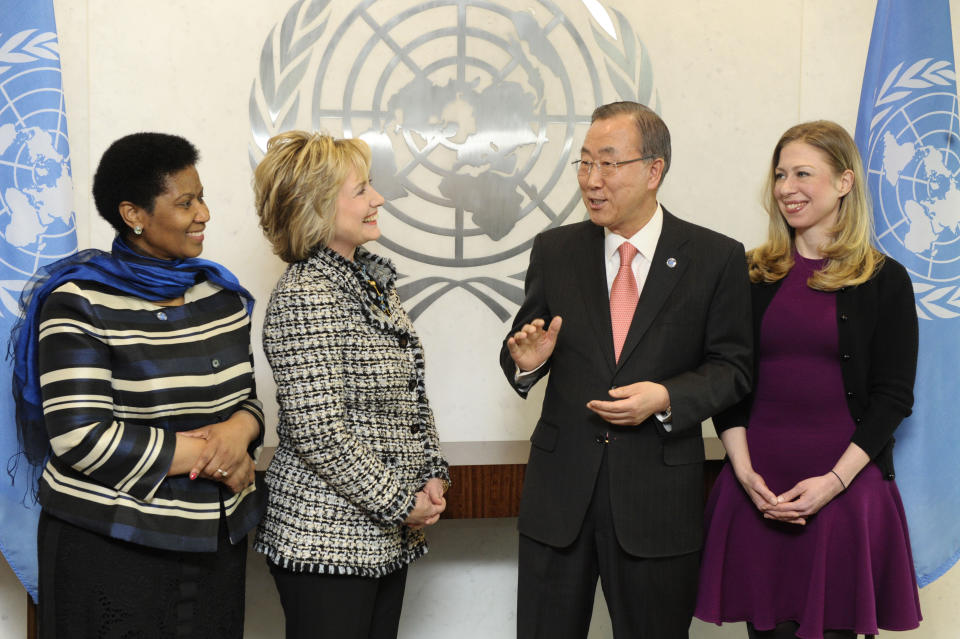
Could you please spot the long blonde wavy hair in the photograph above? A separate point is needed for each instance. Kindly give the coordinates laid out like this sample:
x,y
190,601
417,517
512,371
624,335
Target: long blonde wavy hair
x,y
851,258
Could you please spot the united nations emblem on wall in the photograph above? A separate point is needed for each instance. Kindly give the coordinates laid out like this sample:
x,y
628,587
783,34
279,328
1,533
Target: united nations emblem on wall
x,y
473,111
913,163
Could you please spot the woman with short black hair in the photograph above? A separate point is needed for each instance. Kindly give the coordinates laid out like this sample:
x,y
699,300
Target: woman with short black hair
x,y
136,405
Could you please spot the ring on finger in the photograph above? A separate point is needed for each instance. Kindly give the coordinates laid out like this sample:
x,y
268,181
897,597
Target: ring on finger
x,y
222,473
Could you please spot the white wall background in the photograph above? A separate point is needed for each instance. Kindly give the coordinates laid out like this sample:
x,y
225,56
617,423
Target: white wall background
x,y
732,75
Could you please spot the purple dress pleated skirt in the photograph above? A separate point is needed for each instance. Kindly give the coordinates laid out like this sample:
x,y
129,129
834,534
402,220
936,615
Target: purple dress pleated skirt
x,y
850,567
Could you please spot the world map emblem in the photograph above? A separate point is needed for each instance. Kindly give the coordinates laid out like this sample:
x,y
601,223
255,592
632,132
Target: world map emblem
x,y
913,172
37,220
472,122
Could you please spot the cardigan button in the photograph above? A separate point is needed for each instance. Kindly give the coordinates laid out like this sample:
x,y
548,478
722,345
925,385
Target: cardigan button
x,y
215,363
161,315
414,428
403,341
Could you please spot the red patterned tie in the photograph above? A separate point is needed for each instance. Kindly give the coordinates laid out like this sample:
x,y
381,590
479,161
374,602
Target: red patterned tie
x,y
623,297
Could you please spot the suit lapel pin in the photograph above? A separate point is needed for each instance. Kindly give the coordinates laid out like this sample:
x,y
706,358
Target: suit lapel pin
x,y
671,262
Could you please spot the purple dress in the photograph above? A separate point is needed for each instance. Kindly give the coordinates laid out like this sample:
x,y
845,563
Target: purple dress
x,y
850,567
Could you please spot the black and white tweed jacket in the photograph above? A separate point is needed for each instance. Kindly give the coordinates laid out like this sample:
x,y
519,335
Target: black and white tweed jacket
x,y
357,436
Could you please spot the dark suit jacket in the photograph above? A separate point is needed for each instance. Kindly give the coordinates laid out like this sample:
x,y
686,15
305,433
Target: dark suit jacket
x,y
878,341
691,333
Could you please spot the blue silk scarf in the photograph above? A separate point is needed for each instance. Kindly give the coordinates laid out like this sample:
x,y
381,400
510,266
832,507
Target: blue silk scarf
x,y
122,269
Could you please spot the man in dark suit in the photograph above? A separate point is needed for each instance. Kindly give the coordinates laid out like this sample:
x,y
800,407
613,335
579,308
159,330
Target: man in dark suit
x,y
614,485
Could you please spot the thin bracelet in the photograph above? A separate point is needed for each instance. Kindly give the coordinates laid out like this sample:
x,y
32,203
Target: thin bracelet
x,y
838,478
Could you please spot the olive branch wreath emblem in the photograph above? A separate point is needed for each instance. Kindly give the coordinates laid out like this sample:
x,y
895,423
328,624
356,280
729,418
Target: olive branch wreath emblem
x,y
23,47
26,47
284,59
275,100
931,301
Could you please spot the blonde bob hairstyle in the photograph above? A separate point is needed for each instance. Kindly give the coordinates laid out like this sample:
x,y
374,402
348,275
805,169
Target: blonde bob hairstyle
x,y
296,186
851,256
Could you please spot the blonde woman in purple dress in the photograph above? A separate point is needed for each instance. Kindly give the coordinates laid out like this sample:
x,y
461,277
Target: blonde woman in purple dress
x,y
806,535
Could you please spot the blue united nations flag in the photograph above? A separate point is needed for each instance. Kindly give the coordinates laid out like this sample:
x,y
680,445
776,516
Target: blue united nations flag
x,y
37,226
909,135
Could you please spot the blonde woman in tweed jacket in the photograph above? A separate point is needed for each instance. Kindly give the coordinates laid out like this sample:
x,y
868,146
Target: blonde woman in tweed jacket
x,y
358,472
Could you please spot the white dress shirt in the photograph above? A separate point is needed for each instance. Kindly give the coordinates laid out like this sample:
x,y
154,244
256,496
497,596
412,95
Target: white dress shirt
x,y
645,240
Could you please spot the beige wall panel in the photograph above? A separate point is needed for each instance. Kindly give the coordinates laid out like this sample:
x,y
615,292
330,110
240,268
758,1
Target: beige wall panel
x,y
728,81
834,37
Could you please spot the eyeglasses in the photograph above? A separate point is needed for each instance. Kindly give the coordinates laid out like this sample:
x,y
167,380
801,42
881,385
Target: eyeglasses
x,y
606,169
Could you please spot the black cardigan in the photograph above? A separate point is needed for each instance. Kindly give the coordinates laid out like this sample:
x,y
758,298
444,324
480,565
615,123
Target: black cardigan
x,y
878,336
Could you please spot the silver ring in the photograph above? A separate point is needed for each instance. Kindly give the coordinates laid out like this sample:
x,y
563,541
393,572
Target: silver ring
x,y
222,472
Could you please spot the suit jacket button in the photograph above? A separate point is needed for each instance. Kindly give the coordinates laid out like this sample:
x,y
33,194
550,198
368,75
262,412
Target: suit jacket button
x,y
849,394
599,439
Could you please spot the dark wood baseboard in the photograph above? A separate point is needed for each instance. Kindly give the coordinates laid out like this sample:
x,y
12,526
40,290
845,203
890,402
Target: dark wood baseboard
x,y
491,490
32,632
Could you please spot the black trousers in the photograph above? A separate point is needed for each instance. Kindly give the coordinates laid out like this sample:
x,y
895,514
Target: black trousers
x,y
647,598
96,587
340,606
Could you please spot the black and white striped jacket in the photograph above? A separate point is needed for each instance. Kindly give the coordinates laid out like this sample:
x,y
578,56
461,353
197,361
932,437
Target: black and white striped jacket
x,y
120,375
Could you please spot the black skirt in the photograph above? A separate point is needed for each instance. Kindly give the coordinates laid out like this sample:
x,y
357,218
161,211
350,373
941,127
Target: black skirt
x,y
92,586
